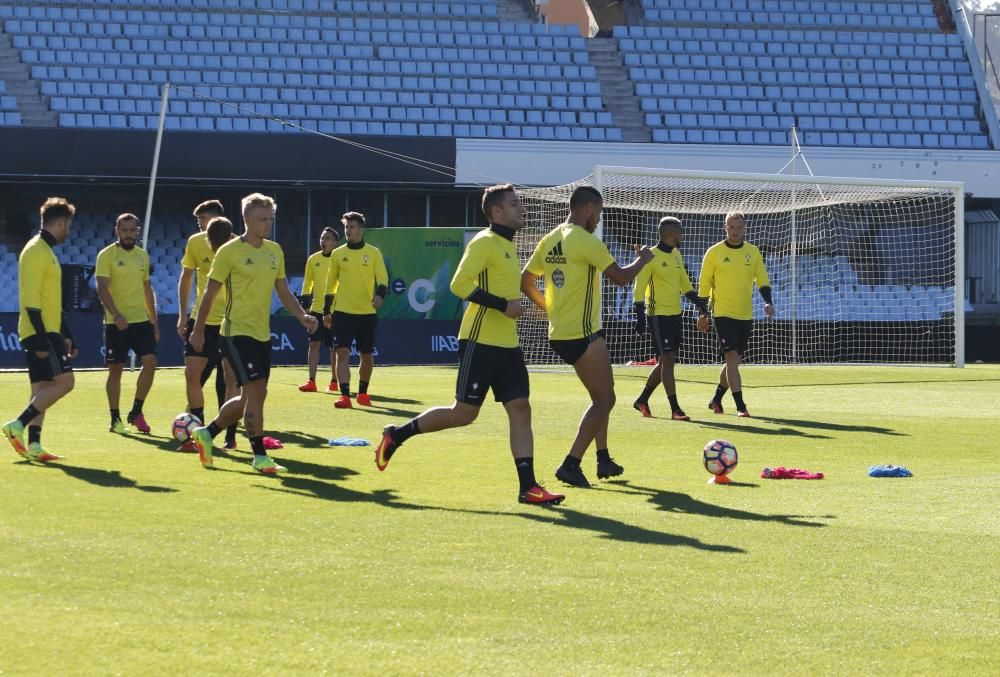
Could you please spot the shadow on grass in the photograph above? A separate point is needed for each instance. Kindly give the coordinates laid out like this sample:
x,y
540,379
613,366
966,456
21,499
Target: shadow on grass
x,y
676,502
612,529
836,427
377,401
390,411
112,479
757,430
328,491
620,531
307,440
161,443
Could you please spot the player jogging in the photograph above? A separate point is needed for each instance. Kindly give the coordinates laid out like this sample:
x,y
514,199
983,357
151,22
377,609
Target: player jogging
x,y
355,289
125,290
313,295
490,357
571,259
199,252
250,267
728,273
44,334
658,289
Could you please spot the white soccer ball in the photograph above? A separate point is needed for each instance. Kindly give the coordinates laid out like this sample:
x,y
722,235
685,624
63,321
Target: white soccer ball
x,y
184,425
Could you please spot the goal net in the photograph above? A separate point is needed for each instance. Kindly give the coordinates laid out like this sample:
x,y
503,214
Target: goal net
x,y
861,271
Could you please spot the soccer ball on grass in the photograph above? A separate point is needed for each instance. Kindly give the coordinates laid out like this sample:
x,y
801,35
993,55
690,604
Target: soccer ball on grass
x,y
184,425
719,457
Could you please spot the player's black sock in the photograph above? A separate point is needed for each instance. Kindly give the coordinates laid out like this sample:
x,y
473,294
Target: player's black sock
x,y
363,387
257,444
231,434
603,455
34,434
738,398
673,403
28,414
406,431
345,389
525,472
571,462
199,412
136,408
719,392
214,429
116,415
646,392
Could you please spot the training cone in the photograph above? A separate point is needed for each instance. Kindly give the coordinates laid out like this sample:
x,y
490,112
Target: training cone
x,y
719,479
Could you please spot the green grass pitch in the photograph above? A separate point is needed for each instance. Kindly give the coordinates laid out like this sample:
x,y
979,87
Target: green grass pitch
x,y
129,558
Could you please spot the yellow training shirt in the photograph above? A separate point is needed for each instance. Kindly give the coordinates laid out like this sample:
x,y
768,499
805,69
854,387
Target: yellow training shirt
x,y
39,286
727,278
355,272
662,281
317,270
198,256
128,272
248,273
489,263
572,260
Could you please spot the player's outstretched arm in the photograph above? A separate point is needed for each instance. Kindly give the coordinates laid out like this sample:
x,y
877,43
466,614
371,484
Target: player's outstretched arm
x,y
623,276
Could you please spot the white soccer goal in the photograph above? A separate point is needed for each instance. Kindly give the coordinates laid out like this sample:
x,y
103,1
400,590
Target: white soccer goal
x,y
862,270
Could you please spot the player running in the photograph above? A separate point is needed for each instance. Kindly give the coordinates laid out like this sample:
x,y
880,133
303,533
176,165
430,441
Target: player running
x,y
313,294
490,357
728,273
249,267
130,323
45,336
658,289
355,289
199,252
571,259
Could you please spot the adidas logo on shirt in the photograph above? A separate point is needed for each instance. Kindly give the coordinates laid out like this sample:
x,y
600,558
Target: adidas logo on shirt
x,y
725,260
249,261
206,260
555,254
121,264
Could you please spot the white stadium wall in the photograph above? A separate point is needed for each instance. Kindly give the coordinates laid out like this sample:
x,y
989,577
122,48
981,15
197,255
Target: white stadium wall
x,y
547,163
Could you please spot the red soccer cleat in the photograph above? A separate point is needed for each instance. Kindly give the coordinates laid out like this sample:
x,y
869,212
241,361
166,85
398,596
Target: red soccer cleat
x,y
188,448
308,387
364,400
538,495
272,443
743,414
343,403
139,421
385,449
716,407
642,408
333,387
679,416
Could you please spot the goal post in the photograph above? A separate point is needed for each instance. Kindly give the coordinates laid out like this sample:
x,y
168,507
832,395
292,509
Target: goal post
x,y
865,271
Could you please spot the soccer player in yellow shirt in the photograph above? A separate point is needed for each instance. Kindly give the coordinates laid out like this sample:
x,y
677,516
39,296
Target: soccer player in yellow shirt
x,y
250,267
313,294
44,334
571,259
355,289
728,273
658,289
490,356
130,323
199,252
